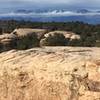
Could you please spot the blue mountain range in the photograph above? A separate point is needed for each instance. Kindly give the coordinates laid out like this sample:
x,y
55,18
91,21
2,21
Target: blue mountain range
x,y
56,15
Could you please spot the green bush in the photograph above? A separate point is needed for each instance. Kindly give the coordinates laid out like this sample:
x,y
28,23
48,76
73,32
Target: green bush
x,y
89,42
55,40
97,44
27,42
1,31
75,42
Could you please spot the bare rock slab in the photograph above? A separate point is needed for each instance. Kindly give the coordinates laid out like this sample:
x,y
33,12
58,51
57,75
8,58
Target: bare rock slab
x,y
50,73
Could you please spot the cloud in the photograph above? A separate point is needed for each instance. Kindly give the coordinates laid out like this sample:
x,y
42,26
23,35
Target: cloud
x,y
56,1
53,13
76,3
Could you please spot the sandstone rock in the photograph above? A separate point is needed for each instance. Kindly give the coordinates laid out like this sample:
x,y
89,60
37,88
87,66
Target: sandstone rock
x,y
22,32
7,36
75,37
56,73
7,41
67,34
71,38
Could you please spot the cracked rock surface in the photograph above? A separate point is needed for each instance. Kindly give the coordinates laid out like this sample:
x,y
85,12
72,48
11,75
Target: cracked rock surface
x,y
50,73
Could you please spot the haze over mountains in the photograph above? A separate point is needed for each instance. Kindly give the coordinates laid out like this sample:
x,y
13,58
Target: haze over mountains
x,y
57,15
49,10
57,11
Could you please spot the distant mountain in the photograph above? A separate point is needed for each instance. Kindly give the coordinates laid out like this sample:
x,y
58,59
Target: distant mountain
x,y
98,11
56,15
83,11
23,11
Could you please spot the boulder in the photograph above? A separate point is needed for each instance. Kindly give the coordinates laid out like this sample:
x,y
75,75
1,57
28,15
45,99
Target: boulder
x,y
67,34
22,32
57,73
7,41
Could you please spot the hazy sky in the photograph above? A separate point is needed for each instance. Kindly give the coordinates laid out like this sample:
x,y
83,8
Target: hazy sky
x,y
95,4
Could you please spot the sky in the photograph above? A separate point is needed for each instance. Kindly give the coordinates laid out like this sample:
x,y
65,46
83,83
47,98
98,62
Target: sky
x,y
38,4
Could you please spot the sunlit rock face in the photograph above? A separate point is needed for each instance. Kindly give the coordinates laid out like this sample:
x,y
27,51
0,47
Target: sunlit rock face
x,y
69,38
57,73
22,32
7,41
67,34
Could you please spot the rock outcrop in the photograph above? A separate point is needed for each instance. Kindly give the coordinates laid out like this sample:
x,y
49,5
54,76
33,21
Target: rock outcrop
x,y
7,41
22,38
26,38
57,73
68,35
22,32
71,38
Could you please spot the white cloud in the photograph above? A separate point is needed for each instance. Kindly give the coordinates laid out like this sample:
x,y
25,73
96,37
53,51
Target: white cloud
x,y
55,1
90,3
53,13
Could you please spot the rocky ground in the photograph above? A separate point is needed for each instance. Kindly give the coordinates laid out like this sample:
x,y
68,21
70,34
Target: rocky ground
x,y
26,38
50,73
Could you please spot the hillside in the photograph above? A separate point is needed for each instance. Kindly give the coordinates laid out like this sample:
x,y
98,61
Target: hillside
x,y
57,73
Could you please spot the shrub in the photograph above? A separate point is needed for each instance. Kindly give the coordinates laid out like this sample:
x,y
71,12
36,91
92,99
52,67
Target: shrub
x,y
89,42
1,31
75,42
54,40
97,44
27,42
